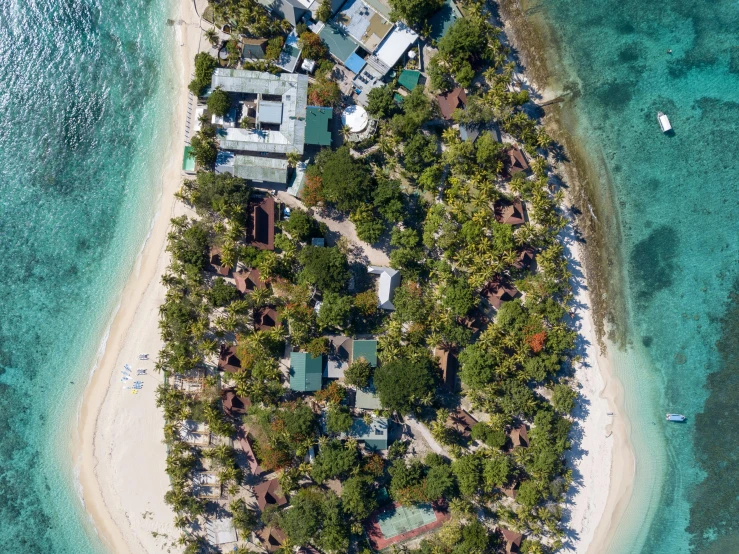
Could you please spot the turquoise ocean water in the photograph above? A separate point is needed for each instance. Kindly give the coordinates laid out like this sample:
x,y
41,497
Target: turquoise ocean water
x,y
86,101
676,199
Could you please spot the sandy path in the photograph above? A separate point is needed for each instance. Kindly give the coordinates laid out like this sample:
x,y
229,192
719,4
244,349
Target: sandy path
x,y
119,444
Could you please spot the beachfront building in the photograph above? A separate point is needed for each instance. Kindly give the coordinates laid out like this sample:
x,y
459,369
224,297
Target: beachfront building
x,y
274,108
450,101
512,541
306,372
499,290
389,281
339,354
367,398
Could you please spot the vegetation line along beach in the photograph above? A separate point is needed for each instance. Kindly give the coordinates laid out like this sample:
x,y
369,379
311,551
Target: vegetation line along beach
x,y
366,325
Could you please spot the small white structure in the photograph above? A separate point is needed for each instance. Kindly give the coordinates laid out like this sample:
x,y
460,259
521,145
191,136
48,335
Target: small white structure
x,y
220,531
664,123
356,118
309,66
389,281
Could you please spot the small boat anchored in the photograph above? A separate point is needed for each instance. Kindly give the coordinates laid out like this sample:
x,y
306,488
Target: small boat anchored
x,y
676,417
664,123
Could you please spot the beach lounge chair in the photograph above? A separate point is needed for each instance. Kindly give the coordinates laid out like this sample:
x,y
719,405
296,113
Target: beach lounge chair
x,y
143,356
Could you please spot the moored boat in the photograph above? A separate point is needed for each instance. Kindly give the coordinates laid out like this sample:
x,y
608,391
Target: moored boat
x,y
675,417
664,123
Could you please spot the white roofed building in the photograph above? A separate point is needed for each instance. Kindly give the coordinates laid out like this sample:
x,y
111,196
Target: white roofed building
x,y
389,281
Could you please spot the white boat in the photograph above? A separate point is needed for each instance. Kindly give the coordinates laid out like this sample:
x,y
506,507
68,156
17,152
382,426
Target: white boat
x,y
675,417
664,123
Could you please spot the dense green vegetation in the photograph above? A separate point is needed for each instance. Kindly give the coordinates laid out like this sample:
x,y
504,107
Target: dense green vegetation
x,y
431,200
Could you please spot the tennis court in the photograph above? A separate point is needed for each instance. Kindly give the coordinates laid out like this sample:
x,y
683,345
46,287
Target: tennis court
x,y
405,518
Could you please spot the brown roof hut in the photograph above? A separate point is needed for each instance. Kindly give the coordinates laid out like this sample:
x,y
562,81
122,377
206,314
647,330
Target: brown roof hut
x,y
497,291
233,404
509,213
475,321
228,361
512,540
249,280
245,443
450,101
515,161
269,493
449,365
525,258
265,318
215,262
519,436
262,224
461,422
272,538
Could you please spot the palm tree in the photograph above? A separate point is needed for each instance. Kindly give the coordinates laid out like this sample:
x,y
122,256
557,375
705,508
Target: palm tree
x,y
345,132
212,36
293,158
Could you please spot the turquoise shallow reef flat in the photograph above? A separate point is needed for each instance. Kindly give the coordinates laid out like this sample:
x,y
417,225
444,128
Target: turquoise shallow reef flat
x,y
86,88
677,199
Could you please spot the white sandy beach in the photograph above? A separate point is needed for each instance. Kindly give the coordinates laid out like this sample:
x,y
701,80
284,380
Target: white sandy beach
x,y
119,446
602,459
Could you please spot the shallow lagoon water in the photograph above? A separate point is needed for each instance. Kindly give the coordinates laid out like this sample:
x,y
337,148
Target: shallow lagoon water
x,y
85,98
677,201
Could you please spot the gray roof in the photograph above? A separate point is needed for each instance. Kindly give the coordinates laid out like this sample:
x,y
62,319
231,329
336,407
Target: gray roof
x,y
293,88
270,112
255,168
389,281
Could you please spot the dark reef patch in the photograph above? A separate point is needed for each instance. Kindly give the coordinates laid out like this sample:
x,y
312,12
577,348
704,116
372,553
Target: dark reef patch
x,y
652,262
715,501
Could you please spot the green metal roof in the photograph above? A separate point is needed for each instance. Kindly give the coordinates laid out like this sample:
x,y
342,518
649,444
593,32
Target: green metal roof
x,y
188,160
305,372
409,79
366,349
367,399
318,125
374,435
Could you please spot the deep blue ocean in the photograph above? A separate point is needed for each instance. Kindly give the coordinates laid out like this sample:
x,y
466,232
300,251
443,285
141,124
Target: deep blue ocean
x,y
675,200
86,97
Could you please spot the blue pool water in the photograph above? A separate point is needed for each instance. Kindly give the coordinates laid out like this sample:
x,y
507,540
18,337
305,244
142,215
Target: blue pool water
x,y
676,199
86,90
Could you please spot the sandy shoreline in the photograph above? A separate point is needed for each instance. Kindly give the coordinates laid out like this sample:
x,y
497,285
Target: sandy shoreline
x,y
602,459
119,446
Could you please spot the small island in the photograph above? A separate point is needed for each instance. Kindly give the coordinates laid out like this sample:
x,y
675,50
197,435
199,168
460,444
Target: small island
x,y
367,334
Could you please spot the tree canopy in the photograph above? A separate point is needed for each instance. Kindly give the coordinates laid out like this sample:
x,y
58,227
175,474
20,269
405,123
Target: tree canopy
x,y
403,382
324,267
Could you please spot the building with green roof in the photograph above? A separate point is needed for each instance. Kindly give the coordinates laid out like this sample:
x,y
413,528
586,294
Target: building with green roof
x,y
318,125
367,398
409,79
366,349
374,435
305,372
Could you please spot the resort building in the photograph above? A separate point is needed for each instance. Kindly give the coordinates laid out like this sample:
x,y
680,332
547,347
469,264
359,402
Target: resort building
x,y
233,404
374,435
271,538
449,364
269,493
227,360
215,262
509,213
519,436
389,281
261,223
461,422
318,125
450,101
515,161
244,442
497,291
367,398
265,318
249,280
512,541
339,354
525,258
305,372
366,349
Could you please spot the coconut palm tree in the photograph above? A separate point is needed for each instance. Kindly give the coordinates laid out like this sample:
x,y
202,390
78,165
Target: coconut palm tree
x,y
345,132
212,36
293,158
